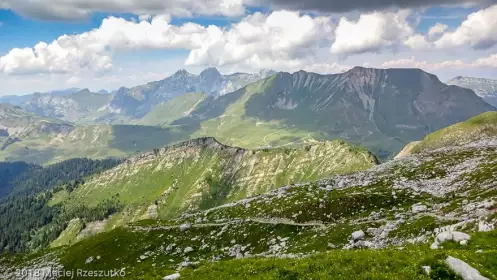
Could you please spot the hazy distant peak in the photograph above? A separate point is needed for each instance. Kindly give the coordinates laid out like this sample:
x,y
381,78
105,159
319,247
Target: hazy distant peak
x,y
182,73
210,73
83,91
267,72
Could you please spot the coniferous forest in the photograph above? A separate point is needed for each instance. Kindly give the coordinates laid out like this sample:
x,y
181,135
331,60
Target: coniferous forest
x,y
24,208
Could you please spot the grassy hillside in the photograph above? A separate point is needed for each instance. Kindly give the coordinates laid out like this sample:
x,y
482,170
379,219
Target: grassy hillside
x,y
169,111
305,230
200,174
479,127
90,101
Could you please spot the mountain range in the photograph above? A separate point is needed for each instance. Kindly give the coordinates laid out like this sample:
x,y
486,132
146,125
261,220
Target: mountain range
x,y
138,101
380,109
21,99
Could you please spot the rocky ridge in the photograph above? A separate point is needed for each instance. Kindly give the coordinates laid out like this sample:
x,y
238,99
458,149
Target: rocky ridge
x,y
202,173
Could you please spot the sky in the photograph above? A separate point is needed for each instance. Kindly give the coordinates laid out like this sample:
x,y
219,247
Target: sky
x,y
106,44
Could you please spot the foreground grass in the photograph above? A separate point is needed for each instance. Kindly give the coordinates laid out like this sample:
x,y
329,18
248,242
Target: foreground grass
x,y
395,263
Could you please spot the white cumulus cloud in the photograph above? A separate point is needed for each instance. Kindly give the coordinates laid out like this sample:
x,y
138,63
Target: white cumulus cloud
x,y
371,32
261,40
418,42
479,30
437,29
92,50
413,62
490,61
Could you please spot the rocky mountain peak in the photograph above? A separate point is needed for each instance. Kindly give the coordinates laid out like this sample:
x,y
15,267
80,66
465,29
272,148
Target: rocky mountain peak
x,y
83,92
266,72
181,73
210,73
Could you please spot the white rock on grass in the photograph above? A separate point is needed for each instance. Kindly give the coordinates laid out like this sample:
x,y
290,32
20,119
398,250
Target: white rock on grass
x,y
184,226
483,226
426,269
463,269
452,235
487,204
188,250
418,208
358,235
456,236
460,236
443,236
172,276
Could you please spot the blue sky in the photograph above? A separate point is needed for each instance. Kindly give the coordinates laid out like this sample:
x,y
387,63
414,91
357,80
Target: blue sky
x,y
134,47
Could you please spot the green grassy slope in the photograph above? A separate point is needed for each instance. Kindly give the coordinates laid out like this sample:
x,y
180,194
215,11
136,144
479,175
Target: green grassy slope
x,y
176,108
479,127
90,101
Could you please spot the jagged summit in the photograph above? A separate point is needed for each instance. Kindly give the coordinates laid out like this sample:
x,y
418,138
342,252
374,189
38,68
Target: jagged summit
x,y
181,73
210,71
82,92
267,72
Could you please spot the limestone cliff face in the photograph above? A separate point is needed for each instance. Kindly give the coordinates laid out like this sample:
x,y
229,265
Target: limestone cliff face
x,y
203,173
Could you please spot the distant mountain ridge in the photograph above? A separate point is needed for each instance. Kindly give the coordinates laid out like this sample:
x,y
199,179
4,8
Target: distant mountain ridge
x,y
72,107
485,88
138,101
20,99
127,105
